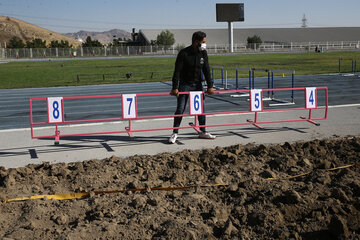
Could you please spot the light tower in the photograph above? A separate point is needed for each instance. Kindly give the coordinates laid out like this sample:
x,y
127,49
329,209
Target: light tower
x,y
304,22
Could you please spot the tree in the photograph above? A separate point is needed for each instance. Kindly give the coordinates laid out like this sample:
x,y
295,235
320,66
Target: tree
x,y
36,43
254,41
165,38
61,44
65,44
91,43
179,47
16,42
116,42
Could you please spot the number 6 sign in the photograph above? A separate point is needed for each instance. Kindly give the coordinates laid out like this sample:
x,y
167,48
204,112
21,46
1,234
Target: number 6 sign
x,y
55,109
256,100
129,106
196,103
310,98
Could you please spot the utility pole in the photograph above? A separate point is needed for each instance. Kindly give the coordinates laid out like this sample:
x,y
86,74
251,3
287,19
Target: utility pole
x,y
231,36
304,22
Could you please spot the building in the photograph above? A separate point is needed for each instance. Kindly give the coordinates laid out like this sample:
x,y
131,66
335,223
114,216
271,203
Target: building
x,y
268,35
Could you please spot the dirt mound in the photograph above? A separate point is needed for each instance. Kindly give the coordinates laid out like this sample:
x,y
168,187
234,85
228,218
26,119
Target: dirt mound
x,y
12,27
261,199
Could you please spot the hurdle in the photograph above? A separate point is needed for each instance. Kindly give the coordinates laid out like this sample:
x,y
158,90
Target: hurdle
x,y
129,76
237,87
251,79
213,68
270,84
253,70
353,66
56,108
280,101
237,76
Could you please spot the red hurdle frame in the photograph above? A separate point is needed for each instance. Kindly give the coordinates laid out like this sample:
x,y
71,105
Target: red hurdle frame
x,y
128,130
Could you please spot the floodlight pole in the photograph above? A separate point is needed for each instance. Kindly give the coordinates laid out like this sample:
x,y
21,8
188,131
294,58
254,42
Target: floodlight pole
x,y
231,36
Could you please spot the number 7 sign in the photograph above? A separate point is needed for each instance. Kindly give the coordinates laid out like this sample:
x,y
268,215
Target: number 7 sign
x,y
129,106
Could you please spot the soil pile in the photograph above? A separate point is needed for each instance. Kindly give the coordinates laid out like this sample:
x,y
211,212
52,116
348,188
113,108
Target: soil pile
x,y
260,199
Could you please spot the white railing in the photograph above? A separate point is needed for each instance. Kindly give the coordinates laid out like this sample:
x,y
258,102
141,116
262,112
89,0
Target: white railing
x,y
39,53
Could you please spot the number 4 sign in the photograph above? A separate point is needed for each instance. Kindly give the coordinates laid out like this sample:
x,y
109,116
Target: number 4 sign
x,y
55,109
256,100
196,103
129,106
311,98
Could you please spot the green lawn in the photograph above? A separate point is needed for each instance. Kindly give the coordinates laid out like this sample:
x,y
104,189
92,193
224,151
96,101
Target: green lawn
x,y
103,71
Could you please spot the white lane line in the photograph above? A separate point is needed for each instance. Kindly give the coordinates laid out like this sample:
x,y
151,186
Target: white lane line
x,y
93,88
121,88
345,105
76,94
157,119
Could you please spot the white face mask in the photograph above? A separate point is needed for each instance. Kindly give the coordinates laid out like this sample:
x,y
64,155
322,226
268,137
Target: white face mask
x,y
202,47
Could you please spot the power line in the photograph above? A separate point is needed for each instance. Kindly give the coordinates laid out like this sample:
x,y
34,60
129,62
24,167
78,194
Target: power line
x,y
91,21
134,23
304,22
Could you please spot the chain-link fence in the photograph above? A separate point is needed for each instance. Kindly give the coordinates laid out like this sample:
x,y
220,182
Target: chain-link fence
x,y
38,53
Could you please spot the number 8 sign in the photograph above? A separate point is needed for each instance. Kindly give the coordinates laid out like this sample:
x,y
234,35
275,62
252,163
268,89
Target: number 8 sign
x,y
129,106
55,109
256,100
310,95
196,103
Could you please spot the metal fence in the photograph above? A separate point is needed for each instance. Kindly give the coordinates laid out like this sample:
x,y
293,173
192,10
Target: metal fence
x,y
39,53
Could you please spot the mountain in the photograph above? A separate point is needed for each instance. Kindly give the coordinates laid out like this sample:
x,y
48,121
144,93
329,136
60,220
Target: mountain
x,y
103,37
12,27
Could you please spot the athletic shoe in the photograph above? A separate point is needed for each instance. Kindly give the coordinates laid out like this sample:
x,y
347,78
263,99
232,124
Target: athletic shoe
x,y
173,138
206,135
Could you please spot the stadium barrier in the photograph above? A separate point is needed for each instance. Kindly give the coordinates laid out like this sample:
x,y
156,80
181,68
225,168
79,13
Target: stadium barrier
x,y
56,111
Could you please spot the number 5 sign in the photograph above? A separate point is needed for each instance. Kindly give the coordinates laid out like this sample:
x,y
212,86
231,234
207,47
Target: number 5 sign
x,y
129,106
55,109
310,95
256,100
196,103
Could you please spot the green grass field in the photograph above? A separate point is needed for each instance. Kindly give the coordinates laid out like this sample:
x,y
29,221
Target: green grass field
x,y
106,71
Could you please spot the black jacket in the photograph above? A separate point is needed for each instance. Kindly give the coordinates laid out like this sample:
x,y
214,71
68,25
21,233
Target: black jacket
x,y
188,67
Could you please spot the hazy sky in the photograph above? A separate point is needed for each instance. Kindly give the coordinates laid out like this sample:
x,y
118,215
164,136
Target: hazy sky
x,y
73,15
